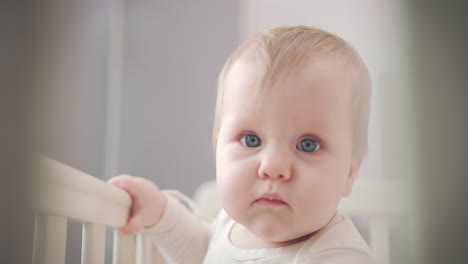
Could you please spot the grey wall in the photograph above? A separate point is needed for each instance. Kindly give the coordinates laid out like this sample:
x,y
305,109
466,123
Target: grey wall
x,y
16,217
174,51
70,93
440,94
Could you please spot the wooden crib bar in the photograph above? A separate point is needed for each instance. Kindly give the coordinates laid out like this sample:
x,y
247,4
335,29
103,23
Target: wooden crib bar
x,y
144,249
123,249
50,235
66,193
93,243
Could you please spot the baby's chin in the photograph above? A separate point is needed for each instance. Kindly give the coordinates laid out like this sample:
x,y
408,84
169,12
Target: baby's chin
x,y
279,229
281,239
277,234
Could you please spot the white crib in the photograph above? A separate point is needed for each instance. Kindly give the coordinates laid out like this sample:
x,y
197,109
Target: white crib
x,y
66,193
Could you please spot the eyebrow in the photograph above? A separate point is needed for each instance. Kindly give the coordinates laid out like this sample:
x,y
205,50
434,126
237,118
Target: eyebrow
x,y
237,121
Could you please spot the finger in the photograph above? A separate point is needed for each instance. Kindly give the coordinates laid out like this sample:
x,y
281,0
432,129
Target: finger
x,y
128,183
117,179
133,226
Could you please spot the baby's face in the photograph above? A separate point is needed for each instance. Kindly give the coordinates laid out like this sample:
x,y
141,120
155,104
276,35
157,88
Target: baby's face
x,y
284,158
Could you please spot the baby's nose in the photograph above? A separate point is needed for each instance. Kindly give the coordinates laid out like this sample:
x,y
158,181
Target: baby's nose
x,y
275,165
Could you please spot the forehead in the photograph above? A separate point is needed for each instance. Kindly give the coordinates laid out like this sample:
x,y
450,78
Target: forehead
x,y
322,87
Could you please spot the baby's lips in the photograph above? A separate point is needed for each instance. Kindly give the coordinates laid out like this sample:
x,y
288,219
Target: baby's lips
x,y
269,202
270,198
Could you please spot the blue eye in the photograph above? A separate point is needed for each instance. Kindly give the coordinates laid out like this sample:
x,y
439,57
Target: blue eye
x,y
251,141
308,145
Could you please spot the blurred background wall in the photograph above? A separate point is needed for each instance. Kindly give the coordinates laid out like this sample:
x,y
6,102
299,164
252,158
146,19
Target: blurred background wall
x,y
129,86
439,92
173,52
16,71
72,40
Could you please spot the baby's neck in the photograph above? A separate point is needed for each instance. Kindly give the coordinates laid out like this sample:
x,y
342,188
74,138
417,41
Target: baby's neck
x,y
241,237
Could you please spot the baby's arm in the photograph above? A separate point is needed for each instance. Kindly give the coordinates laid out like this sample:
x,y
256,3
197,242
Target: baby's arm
x,y
173,221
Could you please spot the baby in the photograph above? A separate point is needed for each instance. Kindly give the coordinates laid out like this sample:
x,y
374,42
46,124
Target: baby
x,y
290,133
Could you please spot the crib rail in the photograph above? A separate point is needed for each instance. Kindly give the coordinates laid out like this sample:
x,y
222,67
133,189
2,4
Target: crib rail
x,y
66,193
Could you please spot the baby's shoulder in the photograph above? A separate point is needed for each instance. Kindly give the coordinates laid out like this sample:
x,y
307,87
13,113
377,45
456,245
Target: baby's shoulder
x,y
338,242
338,256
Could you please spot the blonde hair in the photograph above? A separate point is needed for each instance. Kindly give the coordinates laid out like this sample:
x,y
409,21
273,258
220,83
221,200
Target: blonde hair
x,y
284,50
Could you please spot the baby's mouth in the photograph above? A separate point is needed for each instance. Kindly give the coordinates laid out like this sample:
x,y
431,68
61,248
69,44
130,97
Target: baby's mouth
x,y
270,199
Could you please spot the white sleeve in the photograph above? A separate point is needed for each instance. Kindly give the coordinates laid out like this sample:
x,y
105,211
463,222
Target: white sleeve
x,y
182,234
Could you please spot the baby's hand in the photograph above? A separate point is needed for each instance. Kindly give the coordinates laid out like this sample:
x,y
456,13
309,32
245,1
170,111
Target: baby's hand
x,y
148,202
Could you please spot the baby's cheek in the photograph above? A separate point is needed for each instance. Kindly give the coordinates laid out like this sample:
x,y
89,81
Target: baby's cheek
x,y
225,187
321,210
233,186
228,187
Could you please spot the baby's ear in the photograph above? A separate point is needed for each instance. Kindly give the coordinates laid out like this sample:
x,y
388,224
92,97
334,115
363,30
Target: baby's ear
x,y
353,171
